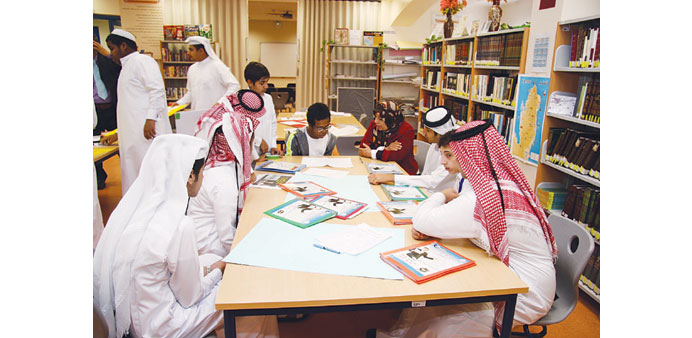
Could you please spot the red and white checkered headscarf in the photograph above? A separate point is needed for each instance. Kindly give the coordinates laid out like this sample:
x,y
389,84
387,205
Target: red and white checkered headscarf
x,y
502,191
238,114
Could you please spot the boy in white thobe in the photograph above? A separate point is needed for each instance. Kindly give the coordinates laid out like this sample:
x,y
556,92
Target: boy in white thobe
x,y
148,278
257,78
208,79
437,121
141,106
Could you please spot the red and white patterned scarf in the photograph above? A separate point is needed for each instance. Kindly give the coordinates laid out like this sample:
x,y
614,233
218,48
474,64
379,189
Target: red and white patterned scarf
x,y
238,114
494,209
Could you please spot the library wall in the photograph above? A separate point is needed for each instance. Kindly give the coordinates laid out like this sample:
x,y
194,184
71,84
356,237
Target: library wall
x,y
107,7
267,31
573,9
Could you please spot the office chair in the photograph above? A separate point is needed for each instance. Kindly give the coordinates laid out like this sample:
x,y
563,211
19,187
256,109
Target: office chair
x,y
574,245
421,153
345,145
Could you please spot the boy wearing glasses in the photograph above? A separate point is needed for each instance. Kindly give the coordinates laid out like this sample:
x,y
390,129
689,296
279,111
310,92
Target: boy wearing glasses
x,y
314,139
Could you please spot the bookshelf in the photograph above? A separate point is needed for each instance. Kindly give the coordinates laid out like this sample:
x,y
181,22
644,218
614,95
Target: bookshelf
x,y
569,75
350,66
475,76
175,61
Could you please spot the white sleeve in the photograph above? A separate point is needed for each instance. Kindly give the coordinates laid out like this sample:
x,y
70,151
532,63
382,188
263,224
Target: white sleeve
x,y
228,80
272,135
187,283
156,92
447,220
225,199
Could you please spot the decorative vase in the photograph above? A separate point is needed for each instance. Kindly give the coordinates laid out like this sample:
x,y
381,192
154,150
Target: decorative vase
x,y
448,27
494,15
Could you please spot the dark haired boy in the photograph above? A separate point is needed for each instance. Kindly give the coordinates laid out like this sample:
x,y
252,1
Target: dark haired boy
x,y
141,108
314,139
257,78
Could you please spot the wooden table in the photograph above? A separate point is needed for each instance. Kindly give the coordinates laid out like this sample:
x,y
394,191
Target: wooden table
x,y
252,290
339,120
103,152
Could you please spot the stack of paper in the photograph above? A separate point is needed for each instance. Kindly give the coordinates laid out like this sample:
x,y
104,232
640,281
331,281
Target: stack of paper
x,y
345,131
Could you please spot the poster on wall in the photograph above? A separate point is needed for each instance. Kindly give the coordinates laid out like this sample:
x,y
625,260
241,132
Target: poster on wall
x,y
541,43
144,19
532,96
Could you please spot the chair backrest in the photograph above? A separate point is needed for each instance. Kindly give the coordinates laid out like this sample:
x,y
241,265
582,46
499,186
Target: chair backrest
x,y
279,98
356,101
186,121
421,153
575,245
345,145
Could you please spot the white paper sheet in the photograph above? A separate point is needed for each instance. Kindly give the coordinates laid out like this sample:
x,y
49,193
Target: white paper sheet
x,y
326,172
334,162
345,131
353,240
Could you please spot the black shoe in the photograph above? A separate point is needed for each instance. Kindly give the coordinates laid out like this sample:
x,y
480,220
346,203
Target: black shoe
x,y
371,333
101,184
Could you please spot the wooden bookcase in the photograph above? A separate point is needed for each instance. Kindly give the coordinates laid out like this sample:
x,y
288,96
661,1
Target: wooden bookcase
x,y
566,79
472,69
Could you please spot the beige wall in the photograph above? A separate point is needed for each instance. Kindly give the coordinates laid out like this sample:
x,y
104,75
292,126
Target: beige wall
x,y
107,7
267,31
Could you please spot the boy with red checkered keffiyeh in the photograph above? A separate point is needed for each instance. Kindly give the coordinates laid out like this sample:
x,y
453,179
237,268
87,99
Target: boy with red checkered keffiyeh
x,y
496,209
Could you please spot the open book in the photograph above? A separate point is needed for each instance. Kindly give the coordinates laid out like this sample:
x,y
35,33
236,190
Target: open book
x,y
403,193
301,213
423,262
399,212
281,167
383,168
345,208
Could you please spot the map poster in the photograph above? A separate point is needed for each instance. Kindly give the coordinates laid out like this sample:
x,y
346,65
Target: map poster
x,y
532,96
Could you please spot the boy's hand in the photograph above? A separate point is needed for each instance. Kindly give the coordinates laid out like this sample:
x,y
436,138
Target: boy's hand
x,y
417,235
450,194
380,178
149,129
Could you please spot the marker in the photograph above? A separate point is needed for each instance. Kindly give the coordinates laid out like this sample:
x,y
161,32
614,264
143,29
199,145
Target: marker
x,y
325,248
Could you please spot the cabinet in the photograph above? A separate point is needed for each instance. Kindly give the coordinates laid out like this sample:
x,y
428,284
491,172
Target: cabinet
x,y
175,61
553,173
475,77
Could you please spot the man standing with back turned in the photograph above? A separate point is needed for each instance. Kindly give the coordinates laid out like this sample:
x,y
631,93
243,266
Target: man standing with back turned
x,y
208,79
141,106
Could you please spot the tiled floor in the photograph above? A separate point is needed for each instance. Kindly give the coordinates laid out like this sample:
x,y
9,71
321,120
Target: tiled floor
x,y
584,322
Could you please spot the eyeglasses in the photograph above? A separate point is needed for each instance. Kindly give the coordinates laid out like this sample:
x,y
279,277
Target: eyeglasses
x,y
322,129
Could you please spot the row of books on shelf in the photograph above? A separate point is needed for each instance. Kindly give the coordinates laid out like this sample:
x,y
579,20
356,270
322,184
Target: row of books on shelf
x,y
502,121
456,83
589,105
500,50
175,71
182,32
176,54
578,202
429,101
175,93
574,149
459,53
432,54
432,79
458,109
496,89
591,277
585,47
586,105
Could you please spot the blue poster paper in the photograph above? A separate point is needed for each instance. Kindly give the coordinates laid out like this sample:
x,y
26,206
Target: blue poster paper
x,y
275,244
532,97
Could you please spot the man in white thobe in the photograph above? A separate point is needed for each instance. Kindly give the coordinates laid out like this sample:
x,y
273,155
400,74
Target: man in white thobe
x,y
434,177
141,106
208,79
148,278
